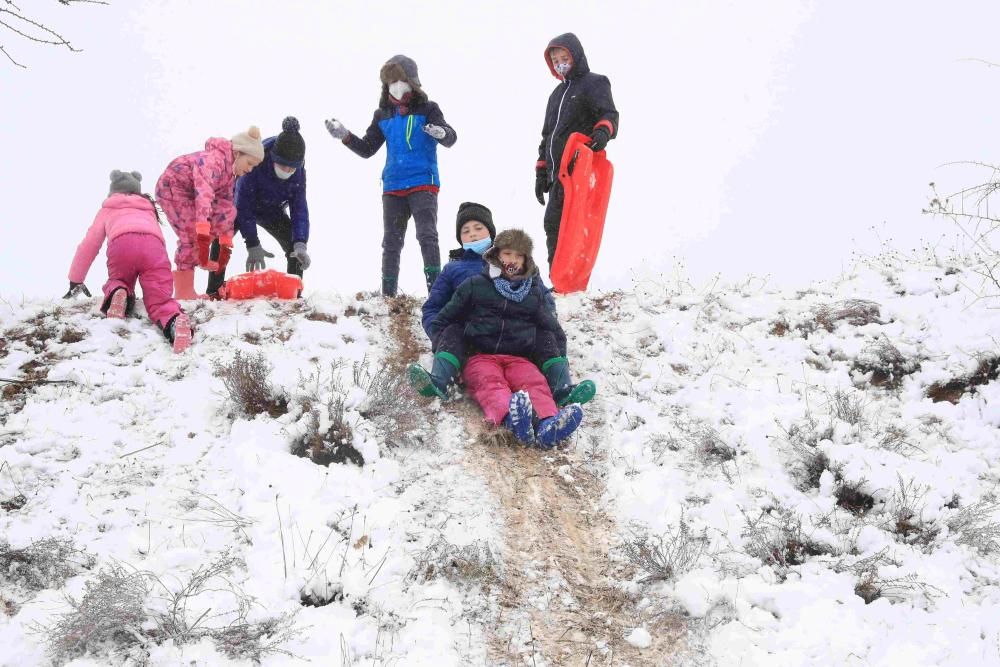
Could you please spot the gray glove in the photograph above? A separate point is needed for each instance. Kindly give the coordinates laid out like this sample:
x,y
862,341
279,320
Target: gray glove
x,y
299,253
75,289
435,131
255,258
337,129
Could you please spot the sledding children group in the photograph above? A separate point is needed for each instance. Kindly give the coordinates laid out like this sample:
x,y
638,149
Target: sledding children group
x,y
488,311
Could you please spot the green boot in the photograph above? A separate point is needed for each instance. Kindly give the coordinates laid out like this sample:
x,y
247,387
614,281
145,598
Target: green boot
x,y
556,371
389,285
430,275
439,380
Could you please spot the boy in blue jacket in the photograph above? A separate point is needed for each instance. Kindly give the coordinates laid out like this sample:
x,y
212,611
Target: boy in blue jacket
x,y
261,199
475,230
411,126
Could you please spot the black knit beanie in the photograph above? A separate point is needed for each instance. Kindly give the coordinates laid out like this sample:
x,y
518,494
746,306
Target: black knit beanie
x,y
472,211
289,149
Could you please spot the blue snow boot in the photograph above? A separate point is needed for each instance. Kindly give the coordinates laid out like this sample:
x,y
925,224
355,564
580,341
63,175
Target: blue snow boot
x,y
556,371
519,419
553,430
439,380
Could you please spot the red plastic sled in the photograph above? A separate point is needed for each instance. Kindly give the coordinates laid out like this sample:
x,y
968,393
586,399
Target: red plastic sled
x,y
587,192
261,284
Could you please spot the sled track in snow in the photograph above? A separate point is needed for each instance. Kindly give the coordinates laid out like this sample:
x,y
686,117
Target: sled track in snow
x,y
557,604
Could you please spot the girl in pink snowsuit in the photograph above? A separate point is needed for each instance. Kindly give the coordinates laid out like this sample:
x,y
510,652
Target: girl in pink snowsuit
x,y
136,250
196,194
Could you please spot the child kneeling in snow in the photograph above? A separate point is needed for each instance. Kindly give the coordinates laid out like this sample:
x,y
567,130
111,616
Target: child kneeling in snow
x,y
502,310
136,249
474,229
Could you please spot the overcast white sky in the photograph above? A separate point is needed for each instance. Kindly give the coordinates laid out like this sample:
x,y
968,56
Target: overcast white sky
x,y
756,138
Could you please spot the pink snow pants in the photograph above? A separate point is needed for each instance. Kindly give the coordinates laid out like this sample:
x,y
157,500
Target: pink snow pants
x,y
143,256
493,379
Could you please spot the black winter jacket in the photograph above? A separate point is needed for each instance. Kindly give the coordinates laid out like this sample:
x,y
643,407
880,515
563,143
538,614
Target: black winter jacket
x,y
579,103
495,324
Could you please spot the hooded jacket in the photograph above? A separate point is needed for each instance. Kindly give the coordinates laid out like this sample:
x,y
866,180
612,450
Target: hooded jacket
x,y
411,153
206,179
495,324
261,191
581,102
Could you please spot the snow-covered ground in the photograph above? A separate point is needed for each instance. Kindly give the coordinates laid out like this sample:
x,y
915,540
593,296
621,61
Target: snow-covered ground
x,y
737,427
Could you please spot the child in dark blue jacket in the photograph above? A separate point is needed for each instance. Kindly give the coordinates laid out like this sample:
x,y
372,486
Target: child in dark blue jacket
x,y
261,199
474,229
411,126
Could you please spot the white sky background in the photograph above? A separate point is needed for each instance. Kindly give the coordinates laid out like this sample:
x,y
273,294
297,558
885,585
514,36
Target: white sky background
x,y
756,138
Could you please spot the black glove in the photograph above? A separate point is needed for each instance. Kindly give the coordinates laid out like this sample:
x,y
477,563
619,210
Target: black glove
x,y
541,184
74,289
599,139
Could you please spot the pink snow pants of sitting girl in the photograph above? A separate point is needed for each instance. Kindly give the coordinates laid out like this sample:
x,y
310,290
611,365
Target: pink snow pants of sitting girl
x,y
493,379
142,256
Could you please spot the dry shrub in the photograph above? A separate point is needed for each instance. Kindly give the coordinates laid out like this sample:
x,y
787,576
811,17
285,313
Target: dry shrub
x,y
987,370
856,312
117,618
873,586
496,436
777,538
852,497
907,503
247,379
976,527
317,316
72,335
779,327
664,557
390,404
473,563
335,444
811,462
47,563
886,364
14,503
849,408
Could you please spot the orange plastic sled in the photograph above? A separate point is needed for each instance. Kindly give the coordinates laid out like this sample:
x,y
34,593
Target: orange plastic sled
x,y
587,191
261,284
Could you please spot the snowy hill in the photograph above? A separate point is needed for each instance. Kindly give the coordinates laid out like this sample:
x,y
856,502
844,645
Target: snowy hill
x,y
763,479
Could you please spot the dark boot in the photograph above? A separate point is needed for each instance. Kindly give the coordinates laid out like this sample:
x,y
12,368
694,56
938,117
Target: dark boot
x,y
556,371
439,380
430,274
389,285
553,430
520,418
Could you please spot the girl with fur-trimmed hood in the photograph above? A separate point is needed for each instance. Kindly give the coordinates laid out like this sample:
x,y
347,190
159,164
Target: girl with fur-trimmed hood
x,y
411,126
502,312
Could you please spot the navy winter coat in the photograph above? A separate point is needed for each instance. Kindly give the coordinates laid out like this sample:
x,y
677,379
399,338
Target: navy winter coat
x,y
580,103
261,191
456,272
411,153
495,324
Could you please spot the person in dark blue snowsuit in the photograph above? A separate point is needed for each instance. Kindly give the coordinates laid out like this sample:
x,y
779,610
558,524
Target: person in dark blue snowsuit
x,y
411,126
475,230
262,197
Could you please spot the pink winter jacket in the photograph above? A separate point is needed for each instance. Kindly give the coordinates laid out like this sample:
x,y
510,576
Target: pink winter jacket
x,y
119,214
205,178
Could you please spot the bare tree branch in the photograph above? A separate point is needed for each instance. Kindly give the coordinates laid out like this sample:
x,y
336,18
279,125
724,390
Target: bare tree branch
x,y
32,30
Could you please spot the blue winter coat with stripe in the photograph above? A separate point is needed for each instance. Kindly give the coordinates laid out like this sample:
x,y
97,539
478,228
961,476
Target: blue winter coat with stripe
x,y
411,153
261,191
462,267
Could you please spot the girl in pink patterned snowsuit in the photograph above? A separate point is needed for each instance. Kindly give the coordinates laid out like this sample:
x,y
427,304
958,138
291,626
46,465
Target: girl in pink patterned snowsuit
x,y
196,194
136,250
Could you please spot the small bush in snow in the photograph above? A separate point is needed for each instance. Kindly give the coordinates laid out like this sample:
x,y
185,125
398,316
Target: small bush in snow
x,y
47,563
472,563
853,497
664,557
976,527
804,437
987,370
856,312
886,364
390,404
334,445
908,504
108,619
247,379
777,538
849,408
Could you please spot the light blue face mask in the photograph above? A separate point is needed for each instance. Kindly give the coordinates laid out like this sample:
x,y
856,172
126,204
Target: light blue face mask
x,y
283,175
480,246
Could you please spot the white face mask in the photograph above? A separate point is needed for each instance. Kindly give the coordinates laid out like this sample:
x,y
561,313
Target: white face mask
x,y
282,174
562,69
399,88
